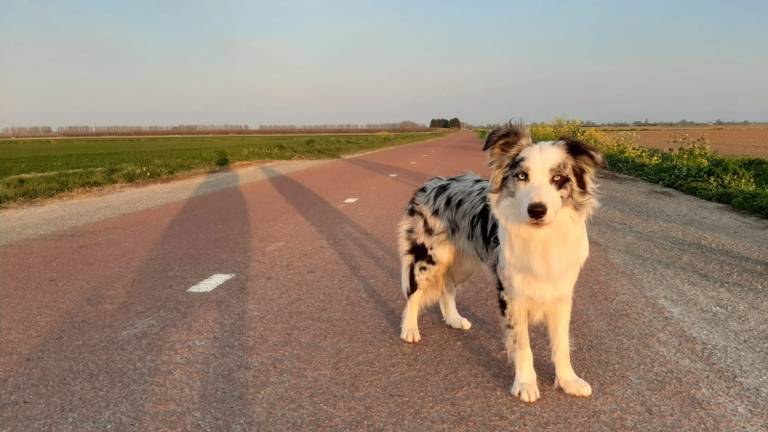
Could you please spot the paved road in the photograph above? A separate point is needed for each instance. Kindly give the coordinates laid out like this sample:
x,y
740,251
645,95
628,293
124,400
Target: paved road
x,y
99,332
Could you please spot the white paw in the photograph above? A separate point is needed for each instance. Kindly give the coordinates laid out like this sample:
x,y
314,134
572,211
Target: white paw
x,y
574,386
459,323
410,334
527,392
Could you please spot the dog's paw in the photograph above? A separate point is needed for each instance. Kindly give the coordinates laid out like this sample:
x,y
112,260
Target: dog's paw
x,y
526,392
410,334
574,386
459,322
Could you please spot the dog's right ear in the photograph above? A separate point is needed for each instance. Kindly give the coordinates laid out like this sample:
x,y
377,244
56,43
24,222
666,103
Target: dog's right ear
x,y
504,144
506,139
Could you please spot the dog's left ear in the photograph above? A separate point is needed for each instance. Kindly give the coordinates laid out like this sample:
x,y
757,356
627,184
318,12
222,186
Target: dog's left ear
x,y
583,153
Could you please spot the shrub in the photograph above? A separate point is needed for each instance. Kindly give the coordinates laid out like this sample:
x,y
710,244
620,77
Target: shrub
x,y
556,129
222,158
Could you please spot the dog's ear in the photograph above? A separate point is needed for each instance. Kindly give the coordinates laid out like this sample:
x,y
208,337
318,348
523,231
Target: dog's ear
x,y
583,153
506,139
503,145
585,160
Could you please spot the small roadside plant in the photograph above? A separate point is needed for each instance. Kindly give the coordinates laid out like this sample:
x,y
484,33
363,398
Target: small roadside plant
x,y
222,158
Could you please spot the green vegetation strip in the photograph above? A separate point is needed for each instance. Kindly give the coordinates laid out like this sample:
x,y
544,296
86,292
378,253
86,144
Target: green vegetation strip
x,y
33,169
693,168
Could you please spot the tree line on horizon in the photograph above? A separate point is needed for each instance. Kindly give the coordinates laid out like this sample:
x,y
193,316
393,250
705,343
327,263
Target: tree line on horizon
x,y
682,122
646,122
453,123
202,129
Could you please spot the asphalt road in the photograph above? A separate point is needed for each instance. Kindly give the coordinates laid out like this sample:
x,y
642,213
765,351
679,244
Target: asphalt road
x,y
99,332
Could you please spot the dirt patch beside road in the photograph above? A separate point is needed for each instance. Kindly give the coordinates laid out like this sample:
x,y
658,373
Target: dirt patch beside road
x,y
747,140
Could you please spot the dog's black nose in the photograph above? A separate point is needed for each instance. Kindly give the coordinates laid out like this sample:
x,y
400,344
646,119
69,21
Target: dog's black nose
x,y
537,210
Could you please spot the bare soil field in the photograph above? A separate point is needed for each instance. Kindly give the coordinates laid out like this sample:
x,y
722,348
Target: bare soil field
x,y
741,140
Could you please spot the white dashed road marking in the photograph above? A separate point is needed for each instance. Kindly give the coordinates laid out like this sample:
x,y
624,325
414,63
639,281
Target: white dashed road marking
x,y
274,246
350,200
393,175
413,163
211,283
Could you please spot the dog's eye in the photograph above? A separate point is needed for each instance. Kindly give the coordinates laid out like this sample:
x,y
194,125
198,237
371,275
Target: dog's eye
x,y
560,180
521,176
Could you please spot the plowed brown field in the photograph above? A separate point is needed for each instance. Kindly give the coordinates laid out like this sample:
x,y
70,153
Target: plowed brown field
x,y
746,140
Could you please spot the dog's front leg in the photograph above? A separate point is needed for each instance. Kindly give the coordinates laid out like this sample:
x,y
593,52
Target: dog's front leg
x,y
558,315
518,347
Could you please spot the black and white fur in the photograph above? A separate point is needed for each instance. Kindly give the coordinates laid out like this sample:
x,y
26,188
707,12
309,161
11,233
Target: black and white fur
x,y
527,224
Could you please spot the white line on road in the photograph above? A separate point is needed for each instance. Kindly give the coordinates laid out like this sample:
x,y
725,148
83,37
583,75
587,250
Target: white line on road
x,y
350,200
393,175
413,163
211,283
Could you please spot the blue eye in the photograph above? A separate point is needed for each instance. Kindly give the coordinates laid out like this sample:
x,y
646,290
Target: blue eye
x,y
521,176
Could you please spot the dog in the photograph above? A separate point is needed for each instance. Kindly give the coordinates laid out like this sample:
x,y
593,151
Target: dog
x,y
526,224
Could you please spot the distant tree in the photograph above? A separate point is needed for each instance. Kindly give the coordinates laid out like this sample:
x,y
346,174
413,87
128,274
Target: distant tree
x,y
438,123
445,123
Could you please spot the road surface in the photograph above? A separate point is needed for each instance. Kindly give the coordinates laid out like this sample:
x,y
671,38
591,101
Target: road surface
x,y
99,331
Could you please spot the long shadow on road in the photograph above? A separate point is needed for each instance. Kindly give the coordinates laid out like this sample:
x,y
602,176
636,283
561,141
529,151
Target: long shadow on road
x,y
147,354
355,246
350,241
412,178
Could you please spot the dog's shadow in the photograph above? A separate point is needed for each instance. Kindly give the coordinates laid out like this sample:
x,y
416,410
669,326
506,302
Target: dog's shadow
x,y
355,246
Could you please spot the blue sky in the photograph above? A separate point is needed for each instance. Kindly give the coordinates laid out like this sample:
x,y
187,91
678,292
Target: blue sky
x,y
168,62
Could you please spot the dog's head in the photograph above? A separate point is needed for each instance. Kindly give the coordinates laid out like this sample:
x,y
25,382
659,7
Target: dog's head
x,y
531,182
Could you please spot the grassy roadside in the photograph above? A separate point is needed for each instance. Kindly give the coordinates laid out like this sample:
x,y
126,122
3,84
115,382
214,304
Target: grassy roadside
x,y
34,169
741,182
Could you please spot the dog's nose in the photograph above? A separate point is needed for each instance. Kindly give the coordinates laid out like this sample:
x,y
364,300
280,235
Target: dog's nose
x,y
537,210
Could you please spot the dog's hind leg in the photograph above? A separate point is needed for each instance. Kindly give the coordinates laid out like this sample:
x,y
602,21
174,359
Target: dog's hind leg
x,y
423,279
409,330
451,315
425,257
425,284
427,288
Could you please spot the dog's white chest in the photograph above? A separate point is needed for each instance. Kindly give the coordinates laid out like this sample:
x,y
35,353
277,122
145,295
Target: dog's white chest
x,y
544,263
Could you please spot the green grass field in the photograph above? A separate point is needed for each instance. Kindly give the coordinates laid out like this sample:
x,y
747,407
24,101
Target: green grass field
x,y
41,168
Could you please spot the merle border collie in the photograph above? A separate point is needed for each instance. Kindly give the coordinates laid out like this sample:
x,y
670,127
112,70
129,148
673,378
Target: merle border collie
x,y
527,224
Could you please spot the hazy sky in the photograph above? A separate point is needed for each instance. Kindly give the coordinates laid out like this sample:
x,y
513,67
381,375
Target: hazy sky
x,y
166,62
